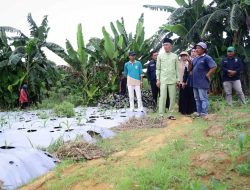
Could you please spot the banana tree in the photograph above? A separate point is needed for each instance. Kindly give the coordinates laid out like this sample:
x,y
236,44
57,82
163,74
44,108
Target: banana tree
x,y
28,61
220,23
80,62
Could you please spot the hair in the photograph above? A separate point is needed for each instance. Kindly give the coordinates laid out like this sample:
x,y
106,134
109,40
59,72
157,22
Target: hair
x,y
152,52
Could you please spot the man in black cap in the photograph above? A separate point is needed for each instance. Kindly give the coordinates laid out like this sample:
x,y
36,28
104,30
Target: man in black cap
x,y
151,73
167,75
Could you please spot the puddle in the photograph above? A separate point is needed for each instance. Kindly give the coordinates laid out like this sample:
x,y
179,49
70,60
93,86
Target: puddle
x,y
123,116
52,131
27,121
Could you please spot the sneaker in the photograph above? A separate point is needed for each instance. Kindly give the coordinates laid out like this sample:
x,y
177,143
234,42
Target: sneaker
x,y
204,116
171,117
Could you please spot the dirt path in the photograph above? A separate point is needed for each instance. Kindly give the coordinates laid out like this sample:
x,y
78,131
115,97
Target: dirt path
x,y
135,155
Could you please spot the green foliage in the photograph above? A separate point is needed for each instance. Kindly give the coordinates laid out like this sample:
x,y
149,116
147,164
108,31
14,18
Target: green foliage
x,y
242,140
53,147
43,115
64,109
179,145
25,63
243,169
217,104
220,26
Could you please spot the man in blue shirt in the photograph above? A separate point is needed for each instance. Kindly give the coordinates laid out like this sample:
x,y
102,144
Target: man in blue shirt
x,y
231,67
202,68
133,72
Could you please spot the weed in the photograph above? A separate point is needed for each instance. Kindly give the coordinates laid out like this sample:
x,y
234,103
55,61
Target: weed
x,y
64,109
54,146
43,115
179,145
200,172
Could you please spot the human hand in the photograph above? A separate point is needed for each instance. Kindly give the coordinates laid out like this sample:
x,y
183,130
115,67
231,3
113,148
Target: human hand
x,y
158,83
208,77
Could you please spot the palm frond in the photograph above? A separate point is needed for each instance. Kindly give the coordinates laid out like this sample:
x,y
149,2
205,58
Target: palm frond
x,y
160,8
11,29
33,26
235,17
197,27
218,14
58,50
174,17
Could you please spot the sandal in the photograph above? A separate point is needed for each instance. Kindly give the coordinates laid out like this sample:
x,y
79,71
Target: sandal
x,y
171,117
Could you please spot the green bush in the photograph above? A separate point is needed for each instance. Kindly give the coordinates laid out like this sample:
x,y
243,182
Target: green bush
x,y
64,109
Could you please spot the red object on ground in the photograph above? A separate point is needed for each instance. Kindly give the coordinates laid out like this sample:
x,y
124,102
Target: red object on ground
x,y
23,96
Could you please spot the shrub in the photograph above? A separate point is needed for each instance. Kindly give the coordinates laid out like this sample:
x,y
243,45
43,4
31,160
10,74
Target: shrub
x,y
64,109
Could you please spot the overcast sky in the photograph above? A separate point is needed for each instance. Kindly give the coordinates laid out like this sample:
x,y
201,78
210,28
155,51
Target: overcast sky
x,y
64,15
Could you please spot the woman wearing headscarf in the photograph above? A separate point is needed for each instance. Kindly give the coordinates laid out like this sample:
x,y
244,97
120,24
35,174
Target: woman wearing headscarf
x,y
186,97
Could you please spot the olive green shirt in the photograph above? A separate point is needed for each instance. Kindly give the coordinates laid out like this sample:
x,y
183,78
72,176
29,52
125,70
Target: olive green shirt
x,y
167,68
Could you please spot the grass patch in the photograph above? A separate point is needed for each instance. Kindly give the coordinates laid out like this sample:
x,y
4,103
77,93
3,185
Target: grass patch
x,y
64,109
172,166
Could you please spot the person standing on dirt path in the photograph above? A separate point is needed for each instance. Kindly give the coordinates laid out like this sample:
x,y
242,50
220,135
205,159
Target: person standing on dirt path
x,y
134,74
202,67
151,73
231,68
23,97
167,75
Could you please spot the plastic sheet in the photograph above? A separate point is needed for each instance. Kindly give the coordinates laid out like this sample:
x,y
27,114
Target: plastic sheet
x,y
26,131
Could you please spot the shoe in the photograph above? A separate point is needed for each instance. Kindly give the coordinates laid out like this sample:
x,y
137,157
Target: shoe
x,y
204,116
171,117
195,115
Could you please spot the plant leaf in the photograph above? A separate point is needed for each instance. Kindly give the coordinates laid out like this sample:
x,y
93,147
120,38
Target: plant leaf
x,y
178,29
181,2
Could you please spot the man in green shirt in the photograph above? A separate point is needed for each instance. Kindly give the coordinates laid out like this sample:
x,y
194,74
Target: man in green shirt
x,y
167,74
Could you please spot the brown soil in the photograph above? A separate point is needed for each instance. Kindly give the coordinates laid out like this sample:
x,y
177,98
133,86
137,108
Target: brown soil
x,y
93,185
215,163
214,131
142,122
79,150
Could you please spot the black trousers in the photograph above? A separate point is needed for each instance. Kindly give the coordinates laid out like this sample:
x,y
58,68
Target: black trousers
x,y
155,92
187,103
